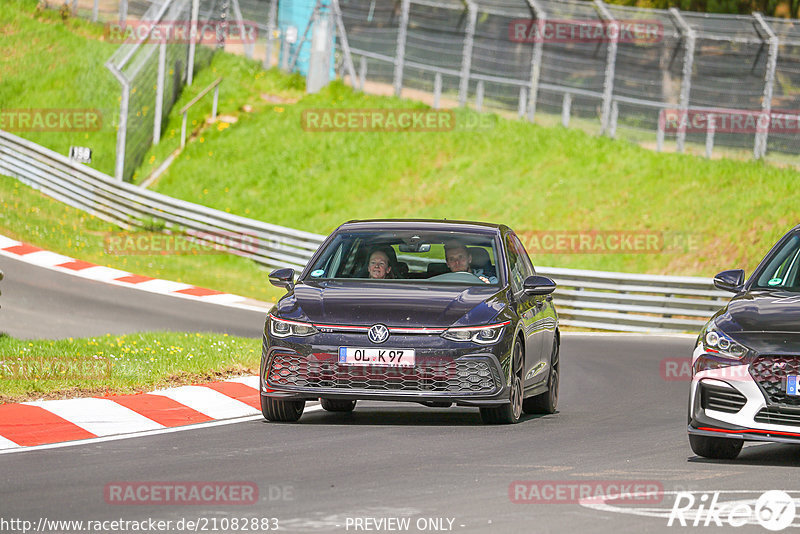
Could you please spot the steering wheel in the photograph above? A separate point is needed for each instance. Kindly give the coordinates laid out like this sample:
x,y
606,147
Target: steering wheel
x,y
461,276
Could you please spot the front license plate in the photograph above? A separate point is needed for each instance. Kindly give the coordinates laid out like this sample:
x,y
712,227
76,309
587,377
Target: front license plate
x,y
373,356
791,385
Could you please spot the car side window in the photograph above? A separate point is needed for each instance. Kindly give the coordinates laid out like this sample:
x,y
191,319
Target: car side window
x,y
516,268
523,254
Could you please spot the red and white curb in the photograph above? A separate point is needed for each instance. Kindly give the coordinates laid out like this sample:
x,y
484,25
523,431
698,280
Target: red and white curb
x,y
50,260
31,424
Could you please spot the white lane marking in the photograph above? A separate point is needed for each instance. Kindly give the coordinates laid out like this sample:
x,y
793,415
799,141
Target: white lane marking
x,y
567,333
6,443
7,242
224,298
101,274
198,426
251,381
101,417
44,257
207,401
160,286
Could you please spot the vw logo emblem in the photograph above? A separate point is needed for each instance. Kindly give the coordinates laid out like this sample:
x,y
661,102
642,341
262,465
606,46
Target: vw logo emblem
x,y
378,333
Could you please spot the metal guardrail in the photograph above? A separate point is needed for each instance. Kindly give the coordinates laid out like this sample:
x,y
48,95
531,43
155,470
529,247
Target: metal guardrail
x,y
586,299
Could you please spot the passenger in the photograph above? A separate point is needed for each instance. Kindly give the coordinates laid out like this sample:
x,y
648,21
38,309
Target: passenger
x,y
379,266
459,259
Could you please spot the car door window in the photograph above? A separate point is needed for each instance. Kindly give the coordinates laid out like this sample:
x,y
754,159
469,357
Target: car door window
x,y
523,255
516,267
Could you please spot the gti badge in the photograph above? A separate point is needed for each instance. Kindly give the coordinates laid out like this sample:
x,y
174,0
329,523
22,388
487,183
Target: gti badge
x,y
378,333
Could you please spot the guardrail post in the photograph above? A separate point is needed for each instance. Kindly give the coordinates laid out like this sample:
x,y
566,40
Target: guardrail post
x,y
466,52
760,148
611,62
159,107
566,106
183,129
437,89
192,42
479,96
400,52
711,127
536,61
214,103
686,76
272,17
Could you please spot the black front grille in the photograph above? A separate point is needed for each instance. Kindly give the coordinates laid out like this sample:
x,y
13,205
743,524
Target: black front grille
x,y
770,374
469,375
779,416
721,399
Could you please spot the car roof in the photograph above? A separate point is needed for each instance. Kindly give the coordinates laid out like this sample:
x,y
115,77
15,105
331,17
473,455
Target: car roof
x,y
421,224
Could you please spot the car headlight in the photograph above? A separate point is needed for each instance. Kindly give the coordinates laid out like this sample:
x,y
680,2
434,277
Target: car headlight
x,y
715,341
484,335
286,328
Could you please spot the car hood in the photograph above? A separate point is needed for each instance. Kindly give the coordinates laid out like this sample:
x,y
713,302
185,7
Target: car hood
x,y
764,320
394,304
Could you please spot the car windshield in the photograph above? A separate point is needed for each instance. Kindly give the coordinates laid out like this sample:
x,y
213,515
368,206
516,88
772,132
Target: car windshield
x,y
408,256
783,269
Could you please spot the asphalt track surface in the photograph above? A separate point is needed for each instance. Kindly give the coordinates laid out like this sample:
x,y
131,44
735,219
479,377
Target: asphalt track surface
x,y
618,419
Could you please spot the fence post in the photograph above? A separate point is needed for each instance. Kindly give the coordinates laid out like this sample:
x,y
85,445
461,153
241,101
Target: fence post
x,y
94,10
400,52
711,127
466,53
362,73
660,132
760,148
192,41
479,96
122,127
612,123
248,47
348,57
523,102
536,60
123,12
611,63
273,15
159,107
566,105
437,89
686,77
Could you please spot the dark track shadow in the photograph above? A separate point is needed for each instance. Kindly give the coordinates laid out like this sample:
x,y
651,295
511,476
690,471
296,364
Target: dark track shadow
x,y
764,454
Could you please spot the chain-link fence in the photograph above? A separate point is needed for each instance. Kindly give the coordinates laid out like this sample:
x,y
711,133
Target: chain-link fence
x,y
657,77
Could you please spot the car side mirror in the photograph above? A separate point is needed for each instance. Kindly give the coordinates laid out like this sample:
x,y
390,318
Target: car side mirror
x,y
538,285
282,278
732,280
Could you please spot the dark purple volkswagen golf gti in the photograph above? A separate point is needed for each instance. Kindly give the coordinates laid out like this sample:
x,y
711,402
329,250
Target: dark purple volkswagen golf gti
x,y
435,312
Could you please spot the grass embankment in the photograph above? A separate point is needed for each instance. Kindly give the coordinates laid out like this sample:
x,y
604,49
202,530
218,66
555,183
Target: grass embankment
x,y
120,364
720,213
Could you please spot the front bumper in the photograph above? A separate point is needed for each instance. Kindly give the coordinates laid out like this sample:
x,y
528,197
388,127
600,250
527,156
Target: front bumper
x,y
729,403
468,376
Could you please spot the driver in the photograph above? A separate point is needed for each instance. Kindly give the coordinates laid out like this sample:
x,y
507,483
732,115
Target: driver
x,y
458,260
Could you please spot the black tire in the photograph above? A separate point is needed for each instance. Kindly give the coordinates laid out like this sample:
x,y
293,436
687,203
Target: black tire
x,y
510,413
337,405
281,411
716,448
547,402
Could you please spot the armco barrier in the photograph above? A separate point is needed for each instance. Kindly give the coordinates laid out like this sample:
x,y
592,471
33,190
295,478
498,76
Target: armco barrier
x,y
587,299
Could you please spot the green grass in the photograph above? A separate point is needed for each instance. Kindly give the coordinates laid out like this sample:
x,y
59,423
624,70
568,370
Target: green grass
x,y
53,63
120,364
527,176
30,216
